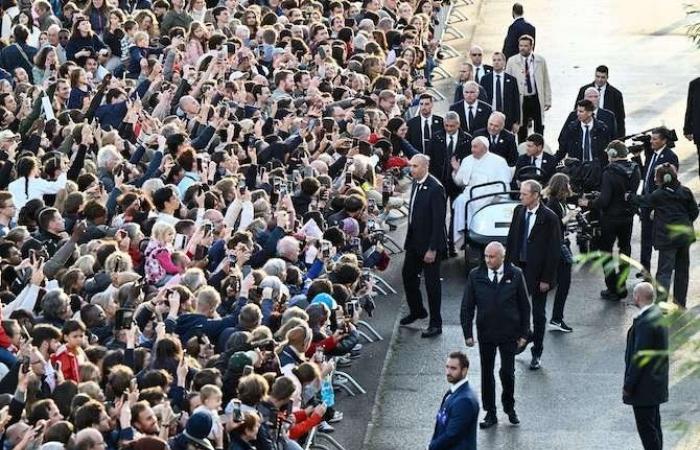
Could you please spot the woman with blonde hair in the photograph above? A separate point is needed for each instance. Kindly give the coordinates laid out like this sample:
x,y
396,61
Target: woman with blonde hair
x,y
196,46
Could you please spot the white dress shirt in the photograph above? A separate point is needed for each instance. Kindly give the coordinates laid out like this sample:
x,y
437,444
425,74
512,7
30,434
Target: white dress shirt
x,y
457,385
601,100
532,218
22,191
466,111
499,274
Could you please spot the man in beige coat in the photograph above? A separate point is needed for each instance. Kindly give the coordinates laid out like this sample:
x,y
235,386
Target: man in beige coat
x,y
533,82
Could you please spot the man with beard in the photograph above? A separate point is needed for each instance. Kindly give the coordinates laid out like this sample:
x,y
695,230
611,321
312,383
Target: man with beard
x,y
456,420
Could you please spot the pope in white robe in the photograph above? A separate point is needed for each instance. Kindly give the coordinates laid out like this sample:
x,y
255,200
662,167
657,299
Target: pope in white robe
x,y
478,168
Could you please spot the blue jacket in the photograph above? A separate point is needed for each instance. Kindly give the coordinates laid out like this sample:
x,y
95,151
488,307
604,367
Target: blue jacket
x,y
112,115
455,425
78,43
11,58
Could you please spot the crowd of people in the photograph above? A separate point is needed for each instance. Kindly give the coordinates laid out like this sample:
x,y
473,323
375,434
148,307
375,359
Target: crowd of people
x,y
192,197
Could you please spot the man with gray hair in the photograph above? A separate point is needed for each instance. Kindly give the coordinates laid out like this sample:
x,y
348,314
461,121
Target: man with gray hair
x,y
496,296
534,245
604,115
478,168
646,366
473,113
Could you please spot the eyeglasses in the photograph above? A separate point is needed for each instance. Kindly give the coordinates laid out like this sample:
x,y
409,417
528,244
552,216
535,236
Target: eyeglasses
x,y
476,54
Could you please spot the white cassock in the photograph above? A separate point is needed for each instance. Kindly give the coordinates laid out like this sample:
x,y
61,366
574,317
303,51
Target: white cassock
x,y
473,172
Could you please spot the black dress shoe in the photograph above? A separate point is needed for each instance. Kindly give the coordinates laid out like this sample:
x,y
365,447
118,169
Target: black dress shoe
x,y
535,363
409,319
452,253
513,417
609,295
431,332
489,421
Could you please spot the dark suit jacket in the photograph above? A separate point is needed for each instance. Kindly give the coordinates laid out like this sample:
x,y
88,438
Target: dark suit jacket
x,y
502,311
440,161
511,97
543,249
415,131
455,427
516,29
459,93
571,139
613,102
486,69
426,230
549,166
505,146
604,115
666,156
481,115
646,383
691,125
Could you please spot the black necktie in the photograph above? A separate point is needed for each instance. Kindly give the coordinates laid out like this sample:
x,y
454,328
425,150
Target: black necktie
x,y
451,147
493,139
477,76
499,94
586,144
414,194
526,235
494,280
470,118
528,81
426,134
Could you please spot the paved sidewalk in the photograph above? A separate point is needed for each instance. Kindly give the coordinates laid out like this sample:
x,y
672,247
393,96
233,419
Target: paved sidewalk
x,y
574,402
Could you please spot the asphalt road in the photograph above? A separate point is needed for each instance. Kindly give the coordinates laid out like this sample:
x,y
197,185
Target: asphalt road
x,y
574,402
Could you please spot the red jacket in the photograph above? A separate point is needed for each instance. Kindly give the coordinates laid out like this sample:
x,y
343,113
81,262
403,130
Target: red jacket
x,y
303,424
69,363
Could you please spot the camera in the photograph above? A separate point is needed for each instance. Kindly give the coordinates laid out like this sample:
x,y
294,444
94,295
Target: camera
x,y
124,318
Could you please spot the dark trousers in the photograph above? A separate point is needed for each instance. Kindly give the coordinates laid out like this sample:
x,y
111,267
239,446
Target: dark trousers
x,y
539,312
413,265
620,231
697,146
450,228
487,353
676,261
531,111
563,285
647,237
649,426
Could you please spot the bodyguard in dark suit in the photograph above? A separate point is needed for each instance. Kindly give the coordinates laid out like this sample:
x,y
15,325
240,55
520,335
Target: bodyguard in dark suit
x,y
585,138
502,91
473,113
610,98
455,423
476,54
422,127
426,245
535,156
691,125
646,381
498,294
534,245
466,73
516,29
501,141
605,116
450,143
657,153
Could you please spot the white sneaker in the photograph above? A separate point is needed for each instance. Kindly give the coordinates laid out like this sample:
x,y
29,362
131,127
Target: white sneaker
x,y
325,427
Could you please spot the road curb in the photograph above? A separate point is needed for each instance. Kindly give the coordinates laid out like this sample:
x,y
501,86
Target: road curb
x,y
446,88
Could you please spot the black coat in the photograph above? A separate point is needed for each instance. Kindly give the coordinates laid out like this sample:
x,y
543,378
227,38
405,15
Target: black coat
x,y
511,97
505,146
426,228
613,102
440,166
571,140
481,115
604,115
415,131
691,125
548,166
646,383
502,311
459,93
673,206
619,179
516,29
665,156
543,249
